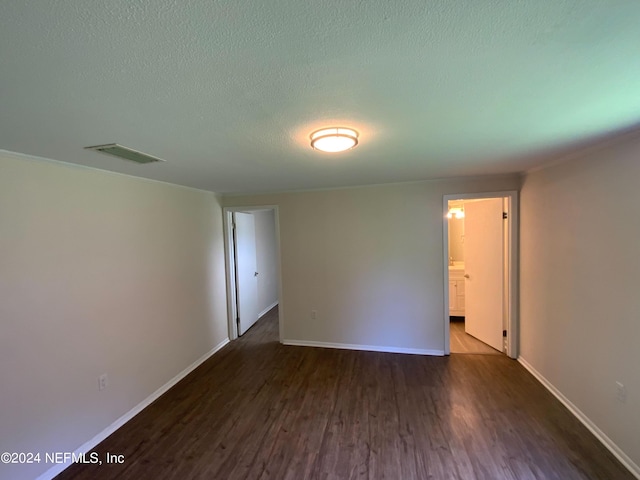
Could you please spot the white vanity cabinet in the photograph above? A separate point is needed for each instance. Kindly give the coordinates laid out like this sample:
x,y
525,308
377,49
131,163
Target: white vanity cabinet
x,y
456,292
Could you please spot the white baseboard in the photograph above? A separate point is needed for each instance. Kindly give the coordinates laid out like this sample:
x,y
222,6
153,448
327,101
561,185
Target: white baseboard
x,y
267,309
87,446
367,348
599,434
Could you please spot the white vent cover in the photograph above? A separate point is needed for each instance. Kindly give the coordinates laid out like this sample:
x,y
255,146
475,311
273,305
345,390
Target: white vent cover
x,y
125,152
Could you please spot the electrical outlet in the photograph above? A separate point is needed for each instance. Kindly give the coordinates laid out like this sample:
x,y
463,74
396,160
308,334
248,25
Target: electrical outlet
x,y
314,314
103,381
621,392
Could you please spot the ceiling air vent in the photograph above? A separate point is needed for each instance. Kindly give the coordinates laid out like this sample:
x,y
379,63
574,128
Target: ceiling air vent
x,y
125,152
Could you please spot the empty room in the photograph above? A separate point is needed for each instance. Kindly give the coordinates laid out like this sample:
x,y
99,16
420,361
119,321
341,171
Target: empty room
x,y
319,240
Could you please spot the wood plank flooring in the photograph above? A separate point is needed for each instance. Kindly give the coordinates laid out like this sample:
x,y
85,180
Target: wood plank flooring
x,y
462,342
261,410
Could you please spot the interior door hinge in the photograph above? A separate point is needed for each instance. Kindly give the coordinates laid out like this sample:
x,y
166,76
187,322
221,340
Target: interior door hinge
x,y
505,215
504,333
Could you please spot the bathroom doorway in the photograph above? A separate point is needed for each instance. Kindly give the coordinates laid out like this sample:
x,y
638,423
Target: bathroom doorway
x,y
480,251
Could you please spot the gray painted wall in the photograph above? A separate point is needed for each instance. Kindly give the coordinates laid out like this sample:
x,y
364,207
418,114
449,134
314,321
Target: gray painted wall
x,y
580,308
99,273
369,260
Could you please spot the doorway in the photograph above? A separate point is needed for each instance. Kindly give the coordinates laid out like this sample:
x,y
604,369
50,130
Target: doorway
x,y
252,257
480,245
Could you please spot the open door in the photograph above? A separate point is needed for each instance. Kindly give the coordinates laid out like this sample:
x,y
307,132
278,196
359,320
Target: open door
x,y
484,270
246,274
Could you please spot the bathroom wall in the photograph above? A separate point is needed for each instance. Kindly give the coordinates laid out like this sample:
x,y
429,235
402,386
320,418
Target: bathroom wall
x,y
456,243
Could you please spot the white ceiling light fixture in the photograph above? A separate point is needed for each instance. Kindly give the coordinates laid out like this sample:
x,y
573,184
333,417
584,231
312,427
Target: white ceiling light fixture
x,y
334,139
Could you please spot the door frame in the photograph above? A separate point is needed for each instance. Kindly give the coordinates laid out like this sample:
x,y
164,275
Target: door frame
x,y
513,324
230,263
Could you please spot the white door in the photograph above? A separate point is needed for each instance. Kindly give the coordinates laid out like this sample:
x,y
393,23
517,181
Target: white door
x,y
246,274
483,265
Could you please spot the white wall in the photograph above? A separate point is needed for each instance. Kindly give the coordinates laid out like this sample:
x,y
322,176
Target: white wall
x,y
98,273
266,259
580,307
369,260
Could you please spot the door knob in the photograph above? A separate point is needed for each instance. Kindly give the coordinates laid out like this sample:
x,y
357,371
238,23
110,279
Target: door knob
x,y
466,275
255,274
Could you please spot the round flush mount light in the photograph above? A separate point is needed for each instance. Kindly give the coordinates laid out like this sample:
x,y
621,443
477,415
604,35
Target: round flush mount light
x,y
334,139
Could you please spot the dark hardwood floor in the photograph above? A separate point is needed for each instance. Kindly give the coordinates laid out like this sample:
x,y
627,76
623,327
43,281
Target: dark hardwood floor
x,y
261,410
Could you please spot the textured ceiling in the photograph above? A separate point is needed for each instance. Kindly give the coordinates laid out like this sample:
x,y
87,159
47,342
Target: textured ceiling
x,y
227,92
